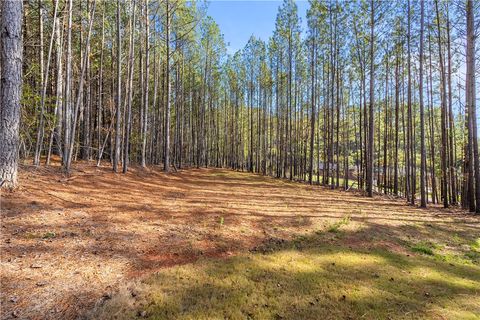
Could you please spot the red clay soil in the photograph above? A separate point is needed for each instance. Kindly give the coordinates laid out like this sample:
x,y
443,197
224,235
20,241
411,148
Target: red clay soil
x,y
67,243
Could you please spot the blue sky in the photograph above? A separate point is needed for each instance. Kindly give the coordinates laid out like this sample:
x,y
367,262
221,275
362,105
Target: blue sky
x,y
238,20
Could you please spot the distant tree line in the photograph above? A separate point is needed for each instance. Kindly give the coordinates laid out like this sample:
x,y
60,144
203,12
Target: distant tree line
x,y
374,95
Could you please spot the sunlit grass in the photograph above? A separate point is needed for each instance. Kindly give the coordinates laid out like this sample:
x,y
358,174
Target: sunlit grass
x,y
319,281
476,245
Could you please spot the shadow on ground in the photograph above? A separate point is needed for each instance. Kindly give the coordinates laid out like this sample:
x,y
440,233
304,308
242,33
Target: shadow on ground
x,y
69,242
371,273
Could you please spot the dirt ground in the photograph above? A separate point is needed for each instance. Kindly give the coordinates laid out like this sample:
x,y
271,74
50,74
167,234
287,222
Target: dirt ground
x,y
67,244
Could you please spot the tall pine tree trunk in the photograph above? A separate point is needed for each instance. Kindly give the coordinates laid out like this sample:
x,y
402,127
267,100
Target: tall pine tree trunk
x,y
443,113
10,90
423,160
147,66
312,125
116,158
166,153
371,105
470,103
128,115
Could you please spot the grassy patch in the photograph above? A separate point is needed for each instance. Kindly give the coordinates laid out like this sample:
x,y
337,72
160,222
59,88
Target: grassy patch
x,y
320,281
476,245
457,239
334,228
422,248
49,235
473,256
36,235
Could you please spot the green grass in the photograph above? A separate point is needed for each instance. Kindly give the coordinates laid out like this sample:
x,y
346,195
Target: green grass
x,y
472,255
36,235
335,227
422,248
49,235
307,278
476,245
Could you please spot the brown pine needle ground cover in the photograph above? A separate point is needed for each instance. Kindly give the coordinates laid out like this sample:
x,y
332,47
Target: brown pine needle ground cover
x,y
215,244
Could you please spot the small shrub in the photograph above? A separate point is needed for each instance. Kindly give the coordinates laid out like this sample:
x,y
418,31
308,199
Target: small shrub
x,y
35,235
476,245
336,226
457,239
49,235
30,235
472,255
422,248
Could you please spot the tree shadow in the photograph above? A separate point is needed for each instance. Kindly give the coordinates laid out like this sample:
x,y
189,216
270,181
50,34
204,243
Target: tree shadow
x,y
136,224
305,278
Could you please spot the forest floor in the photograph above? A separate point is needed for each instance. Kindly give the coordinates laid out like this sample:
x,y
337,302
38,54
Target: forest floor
x,y
219,244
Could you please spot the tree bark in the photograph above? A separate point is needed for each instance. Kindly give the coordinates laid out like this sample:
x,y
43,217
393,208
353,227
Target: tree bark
x,y
147,72
371,105
423,160
128,115
312,124
443,114
67,119
470,103
10,91
166,153
116,157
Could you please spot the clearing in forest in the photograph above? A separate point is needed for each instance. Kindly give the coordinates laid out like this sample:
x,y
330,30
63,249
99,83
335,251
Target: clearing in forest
x,y
214,243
